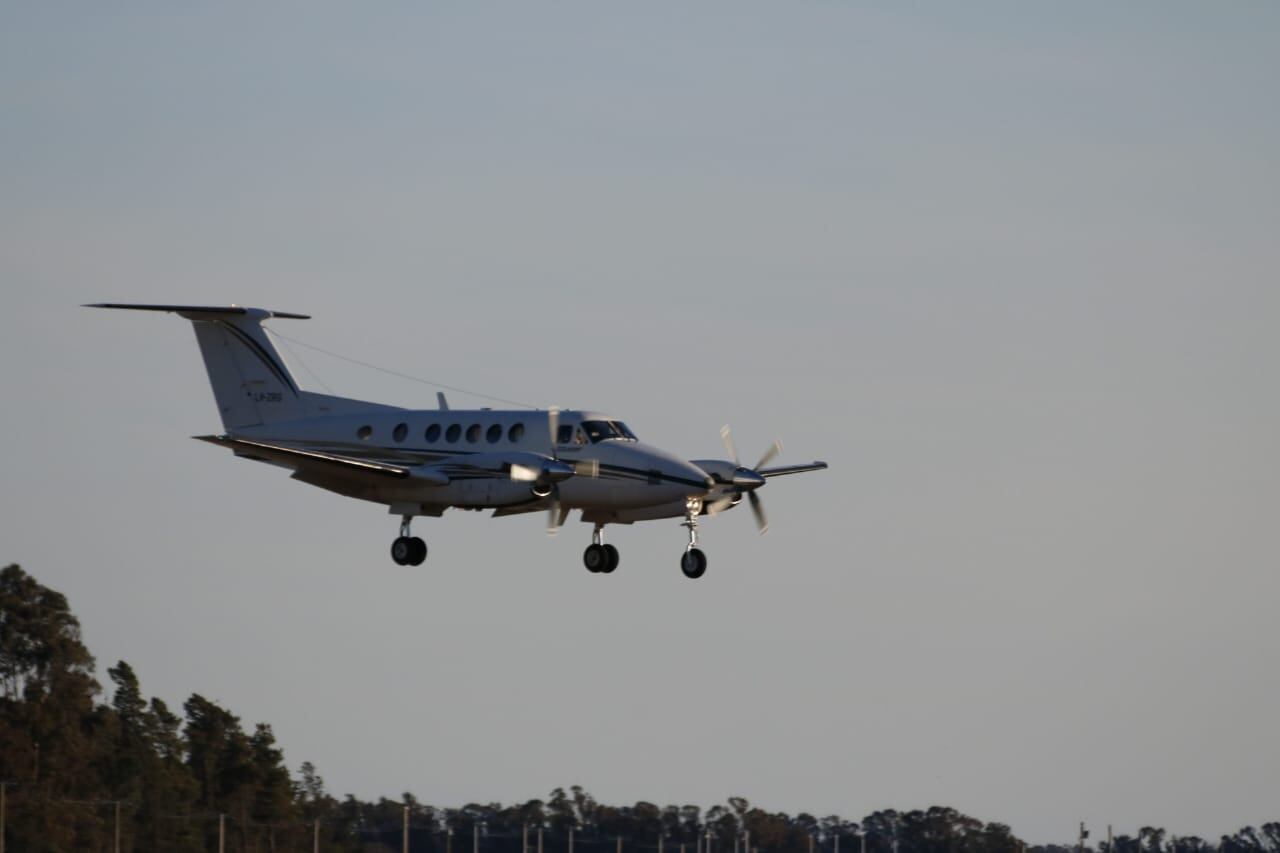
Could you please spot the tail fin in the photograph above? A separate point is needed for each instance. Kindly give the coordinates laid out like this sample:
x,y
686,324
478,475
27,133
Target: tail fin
x,y
250,381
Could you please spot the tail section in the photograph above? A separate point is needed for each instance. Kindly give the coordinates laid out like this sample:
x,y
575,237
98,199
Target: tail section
x,y
250,381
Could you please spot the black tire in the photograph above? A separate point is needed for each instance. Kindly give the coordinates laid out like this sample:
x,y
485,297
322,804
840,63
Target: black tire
x,y
693,563
611,559
402,550
418,551
595,558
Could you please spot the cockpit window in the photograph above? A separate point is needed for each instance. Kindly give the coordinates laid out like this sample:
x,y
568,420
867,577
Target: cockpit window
x,y
599,431
565,434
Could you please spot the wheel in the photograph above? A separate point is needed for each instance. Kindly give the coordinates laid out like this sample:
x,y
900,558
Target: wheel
x,y
417,551
595,558
693,563
402,550
611,559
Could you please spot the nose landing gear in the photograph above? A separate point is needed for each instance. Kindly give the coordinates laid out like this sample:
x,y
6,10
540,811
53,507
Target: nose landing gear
x,y
408,550
693,562
599,557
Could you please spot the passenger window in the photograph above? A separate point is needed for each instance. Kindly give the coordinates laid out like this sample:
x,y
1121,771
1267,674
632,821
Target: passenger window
x,y
565,434
473,433
515,433
494,435
400,432
433,433
452,433
364,432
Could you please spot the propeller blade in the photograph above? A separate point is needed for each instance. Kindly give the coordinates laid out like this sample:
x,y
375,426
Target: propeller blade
x,y
757,509
726,435
553,514
720,505
774,450
553,427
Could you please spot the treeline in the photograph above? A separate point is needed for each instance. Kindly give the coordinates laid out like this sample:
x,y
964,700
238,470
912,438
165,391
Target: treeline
x,y
78,774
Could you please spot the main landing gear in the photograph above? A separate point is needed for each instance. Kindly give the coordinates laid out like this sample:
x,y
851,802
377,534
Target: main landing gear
x,y
408,550
693,563
600,558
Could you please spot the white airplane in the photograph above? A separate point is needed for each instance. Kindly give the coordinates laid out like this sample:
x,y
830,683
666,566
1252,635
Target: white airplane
x,y
422,462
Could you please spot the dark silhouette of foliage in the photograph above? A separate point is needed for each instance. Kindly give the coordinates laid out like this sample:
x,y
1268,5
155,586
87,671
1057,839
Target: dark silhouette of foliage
x,y
70,764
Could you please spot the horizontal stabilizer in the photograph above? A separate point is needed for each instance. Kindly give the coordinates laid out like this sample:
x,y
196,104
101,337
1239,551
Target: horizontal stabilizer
x,y
195,312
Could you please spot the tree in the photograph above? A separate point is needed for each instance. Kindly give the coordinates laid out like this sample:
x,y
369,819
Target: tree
x,y
51,733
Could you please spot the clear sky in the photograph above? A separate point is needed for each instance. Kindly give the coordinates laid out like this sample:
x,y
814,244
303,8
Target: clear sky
x,y
1010,268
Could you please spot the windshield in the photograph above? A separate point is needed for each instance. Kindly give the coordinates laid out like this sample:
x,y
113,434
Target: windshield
x,y
599,431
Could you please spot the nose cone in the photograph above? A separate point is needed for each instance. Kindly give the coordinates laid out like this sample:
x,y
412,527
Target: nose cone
x,y
745,478
681,478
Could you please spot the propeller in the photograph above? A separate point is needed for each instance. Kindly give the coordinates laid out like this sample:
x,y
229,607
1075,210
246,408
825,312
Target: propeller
x,y
744,481
554,518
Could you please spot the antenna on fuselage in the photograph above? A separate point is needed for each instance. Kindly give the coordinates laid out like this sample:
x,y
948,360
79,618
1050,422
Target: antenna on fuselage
x,y
444,404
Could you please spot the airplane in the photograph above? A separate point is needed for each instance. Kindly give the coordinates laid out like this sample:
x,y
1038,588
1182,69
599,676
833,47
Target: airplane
x,y
422,462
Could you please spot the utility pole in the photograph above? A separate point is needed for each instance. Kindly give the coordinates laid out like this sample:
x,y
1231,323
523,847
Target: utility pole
x,y
315,837
539,839
475,837
863,842
1084,833
571,839
524,838
222,833
810,843
1111,847
837,842
117,826
619,844
405,831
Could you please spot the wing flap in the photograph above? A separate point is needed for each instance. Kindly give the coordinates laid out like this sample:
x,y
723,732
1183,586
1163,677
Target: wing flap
x,y
316,460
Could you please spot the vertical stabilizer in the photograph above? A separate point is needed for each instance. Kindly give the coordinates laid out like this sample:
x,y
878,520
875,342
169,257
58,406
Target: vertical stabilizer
x,y
251,383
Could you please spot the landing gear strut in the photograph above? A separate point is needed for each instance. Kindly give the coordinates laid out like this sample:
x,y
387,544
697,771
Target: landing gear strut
x,y
599,557
693,563
408,550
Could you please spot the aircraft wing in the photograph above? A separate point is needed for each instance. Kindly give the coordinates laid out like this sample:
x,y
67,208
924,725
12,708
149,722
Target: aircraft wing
x,y
317,461
790,469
